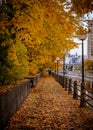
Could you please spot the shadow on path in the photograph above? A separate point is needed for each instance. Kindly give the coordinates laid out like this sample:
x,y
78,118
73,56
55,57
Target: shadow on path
x,y
50,107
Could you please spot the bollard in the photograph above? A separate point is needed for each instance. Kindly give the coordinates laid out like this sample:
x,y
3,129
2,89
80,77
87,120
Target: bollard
x,y
75,90
69,86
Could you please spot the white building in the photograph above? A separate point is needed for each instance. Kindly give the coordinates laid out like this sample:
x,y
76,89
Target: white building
x,y
73,61
90,40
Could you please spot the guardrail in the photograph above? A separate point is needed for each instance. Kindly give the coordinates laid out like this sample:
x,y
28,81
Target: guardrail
x,y
75,87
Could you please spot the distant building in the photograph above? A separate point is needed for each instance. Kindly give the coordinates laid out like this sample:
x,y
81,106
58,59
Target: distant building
x,y
90,40
73,61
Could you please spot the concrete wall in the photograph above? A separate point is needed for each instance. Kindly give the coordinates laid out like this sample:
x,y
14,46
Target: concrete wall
x,y
34,79
12,99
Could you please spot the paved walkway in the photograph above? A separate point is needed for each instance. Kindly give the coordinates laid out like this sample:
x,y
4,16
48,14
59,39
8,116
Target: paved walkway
x,y
50,107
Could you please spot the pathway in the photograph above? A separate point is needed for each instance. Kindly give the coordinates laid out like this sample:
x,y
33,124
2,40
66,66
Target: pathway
x,y
50,107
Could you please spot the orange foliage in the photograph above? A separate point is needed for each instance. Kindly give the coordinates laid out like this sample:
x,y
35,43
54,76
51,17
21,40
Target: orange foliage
x,y
43,27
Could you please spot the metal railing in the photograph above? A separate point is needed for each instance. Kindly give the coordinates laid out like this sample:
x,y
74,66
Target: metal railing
x,y
74,87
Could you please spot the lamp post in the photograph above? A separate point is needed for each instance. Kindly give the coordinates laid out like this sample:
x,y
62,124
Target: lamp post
x,y
55,65
62,63
63,68
57,59
82,38
64,54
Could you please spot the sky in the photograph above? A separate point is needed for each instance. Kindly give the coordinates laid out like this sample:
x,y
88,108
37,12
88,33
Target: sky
x,y
79,49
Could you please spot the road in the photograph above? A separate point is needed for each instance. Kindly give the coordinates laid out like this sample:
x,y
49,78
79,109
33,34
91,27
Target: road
x,y
77,75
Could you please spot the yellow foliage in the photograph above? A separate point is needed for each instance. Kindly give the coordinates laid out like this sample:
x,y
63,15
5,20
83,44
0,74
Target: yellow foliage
x,y
43,28
33,68
12,53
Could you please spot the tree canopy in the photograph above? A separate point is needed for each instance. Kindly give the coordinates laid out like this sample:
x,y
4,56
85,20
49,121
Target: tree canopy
x,y
33,33
80,7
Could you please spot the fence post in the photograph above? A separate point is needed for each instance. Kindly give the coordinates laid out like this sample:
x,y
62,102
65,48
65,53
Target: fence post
x,y
75,90
58,78
65,83
82,100
61,80
69,86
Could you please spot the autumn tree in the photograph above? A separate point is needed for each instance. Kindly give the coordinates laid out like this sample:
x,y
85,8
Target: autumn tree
x,y
12,55
33,33
82,7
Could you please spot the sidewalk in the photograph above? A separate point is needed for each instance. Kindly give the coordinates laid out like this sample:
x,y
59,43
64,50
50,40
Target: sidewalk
x,y
50,107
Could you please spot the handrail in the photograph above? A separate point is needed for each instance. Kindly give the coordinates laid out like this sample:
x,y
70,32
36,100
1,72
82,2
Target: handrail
x,y
73,87
88,91
88,96
89,104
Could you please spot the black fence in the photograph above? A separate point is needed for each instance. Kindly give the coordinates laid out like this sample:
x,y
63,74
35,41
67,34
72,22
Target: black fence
x,y
75,87
11,100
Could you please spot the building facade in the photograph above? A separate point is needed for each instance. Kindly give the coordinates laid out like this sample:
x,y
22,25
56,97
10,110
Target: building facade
x,y
74,62
90,40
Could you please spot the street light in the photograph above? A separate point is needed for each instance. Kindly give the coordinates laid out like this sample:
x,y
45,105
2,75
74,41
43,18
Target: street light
x,y
82,38
64,72
63,77
57,59
55,65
